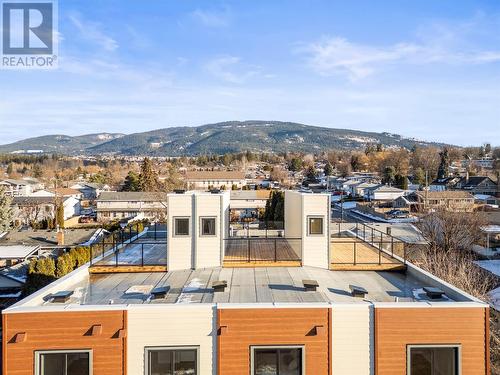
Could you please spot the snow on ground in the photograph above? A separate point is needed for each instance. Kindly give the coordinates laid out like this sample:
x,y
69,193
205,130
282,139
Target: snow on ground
x,y
377,218
187,295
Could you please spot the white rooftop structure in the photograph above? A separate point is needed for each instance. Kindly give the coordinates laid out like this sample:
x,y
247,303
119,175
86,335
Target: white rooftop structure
x,y
17,251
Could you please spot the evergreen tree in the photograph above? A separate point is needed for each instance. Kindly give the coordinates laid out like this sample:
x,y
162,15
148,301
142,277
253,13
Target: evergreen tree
x,y
389,176
148,177
419,176
311,173
132,182
10,169
328,169
295,165
444,165
6,213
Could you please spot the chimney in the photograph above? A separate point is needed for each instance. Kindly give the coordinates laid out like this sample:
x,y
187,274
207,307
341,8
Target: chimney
x,y
60,238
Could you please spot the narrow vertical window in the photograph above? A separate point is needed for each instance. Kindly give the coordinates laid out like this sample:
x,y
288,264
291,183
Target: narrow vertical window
x,y
208,226
181,226
315,225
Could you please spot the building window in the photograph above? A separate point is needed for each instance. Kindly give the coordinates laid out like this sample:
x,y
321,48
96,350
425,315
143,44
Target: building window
x,y
181,226
208,226
63,362
172,361
315,225
284,360
434,360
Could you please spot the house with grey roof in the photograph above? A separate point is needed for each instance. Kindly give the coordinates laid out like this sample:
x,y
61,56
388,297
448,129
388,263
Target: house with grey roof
x,y
115,205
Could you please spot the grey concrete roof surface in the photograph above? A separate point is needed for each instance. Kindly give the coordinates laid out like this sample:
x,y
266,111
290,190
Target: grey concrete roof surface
x,y
246,285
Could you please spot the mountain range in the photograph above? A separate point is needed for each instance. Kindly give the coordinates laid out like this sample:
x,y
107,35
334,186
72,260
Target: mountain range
x,y
219,138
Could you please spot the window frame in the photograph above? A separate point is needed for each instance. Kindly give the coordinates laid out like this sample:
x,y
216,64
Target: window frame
x,y
257,347
39,353
214,218
458,347
148,349
309,217
174,231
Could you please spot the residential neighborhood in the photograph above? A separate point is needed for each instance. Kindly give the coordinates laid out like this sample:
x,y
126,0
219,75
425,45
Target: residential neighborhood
x,y
226,187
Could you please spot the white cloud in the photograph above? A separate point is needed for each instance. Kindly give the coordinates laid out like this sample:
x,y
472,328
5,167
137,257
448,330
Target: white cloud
x,y
212,18
231,69
92,31
437,44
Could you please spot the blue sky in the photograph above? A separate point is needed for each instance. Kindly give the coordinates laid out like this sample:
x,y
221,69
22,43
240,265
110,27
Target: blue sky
x,y
427,69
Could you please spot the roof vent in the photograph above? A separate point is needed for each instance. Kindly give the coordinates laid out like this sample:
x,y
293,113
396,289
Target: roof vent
x,y
219,285
358,291
310,285
61,296
160,292
433,293
179,191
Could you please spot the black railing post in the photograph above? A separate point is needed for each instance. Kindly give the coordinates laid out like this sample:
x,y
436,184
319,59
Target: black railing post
x,y
364,232
142,255
103,246
380,255
372,236
115,250
130,232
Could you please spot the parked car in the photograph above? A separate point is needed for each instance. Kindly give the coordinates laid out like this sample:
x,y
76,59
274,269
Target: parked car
x,y
85,219
398,214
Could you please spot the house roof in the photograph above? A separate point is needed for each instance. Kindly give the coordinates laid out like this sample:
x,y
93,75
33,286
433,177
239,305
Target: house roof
x,y
447,194
384,188
30,200
474,181
17,251
122,196
11,181
215,175
244,285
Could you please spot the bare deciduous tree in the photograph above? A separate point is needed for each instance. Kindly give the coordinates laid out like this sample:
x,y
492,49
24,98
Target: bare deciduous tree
x,y
447,255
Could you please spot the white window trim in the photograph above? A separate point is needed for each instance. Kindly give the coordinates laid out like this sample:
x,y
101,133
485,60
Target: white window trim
x,y
309,217
174,234
201,226
431,346
254,347
38,353
153,348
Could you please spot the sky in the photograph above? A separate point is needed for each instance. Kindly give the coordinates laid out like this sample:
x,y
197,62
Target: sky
x,y
426,69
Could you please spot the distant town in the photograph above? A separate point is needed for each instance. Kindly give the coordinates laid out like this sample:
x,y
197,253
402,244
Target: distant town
x,y
430,214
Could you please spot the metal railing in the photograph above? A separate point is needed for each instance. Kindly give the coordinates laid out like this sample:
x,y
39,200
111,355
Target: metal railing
x,y
365,244
265,250
135,245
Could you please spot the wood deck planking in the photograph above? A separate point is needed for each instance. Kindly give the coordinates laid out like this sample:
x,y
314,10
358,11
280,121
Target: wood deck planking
x,y
367,256
259,250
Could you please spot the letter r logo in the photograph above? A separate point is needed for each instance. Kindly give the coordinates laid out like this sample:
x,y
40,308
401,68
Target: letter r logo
x,y
27,28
